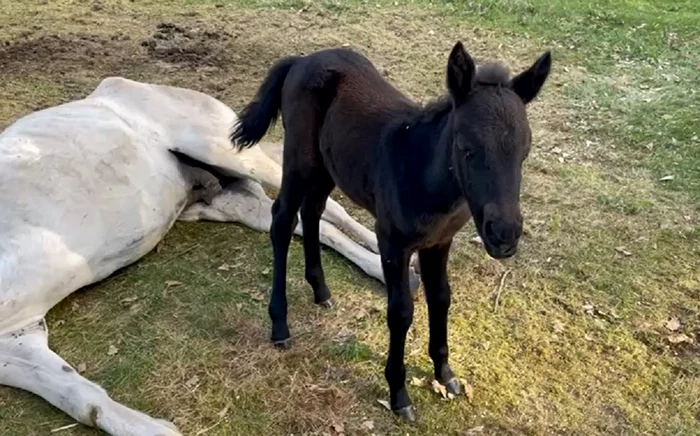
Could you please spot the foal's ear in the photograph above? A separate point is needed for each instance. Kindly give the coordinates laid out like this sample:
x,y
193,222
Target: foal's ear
x,y
528,83
461,73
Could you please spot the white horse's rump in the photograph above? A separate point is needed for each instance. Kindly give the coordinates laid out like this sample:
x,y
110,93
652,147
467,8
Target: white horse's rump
x,y
91,186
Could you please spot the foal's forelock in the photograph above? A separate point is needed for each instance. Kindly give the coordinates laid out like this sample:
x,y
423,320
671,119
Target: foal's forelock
x,y
498,117
492,73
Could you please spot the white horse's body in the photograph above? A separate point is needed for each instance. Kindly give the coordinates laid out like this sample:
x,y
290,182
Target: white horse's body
x,y
91,186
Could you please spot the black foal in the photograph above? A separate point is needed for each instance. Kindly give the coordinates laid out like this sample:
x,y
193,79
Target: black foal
x,y
421,171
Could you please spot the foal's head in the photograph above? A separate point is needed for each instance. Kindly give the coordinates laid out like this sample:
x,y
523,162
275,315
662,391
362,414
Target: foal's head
x,y
490,140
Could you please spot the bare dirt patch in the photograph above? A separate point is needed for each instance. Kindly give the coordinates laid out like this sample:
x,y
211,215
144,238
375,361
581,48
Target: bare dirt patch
x,y
63,53
193,47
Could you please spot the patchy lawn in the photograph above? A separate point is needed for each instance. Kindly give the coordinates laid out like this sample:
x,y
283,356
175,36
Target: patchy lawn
x,y
597,330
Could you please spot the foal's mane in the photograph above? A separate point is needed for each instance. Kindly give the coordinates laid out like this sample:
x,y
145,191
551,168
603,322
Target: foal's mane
x,y
487,74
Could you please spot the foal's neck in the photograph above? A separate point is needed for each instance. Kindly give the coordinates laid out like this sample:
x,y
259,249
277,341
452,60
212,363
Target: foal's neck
x,y
430,139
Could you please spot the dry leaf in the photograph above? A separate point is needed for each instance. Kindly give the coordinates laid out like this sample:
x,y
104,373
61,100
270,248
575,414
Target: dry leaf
x,y
666,178
59,323
257,296
477,240
159,246
266,271
345,335
677,338
673,324
558,326
368,425
170,283
224,267
136,308
81,367
474,430
128,300
223,412
338,428
415,381
192,382
112,350
385,403
588,308
440,389
239,306
468,389
623,250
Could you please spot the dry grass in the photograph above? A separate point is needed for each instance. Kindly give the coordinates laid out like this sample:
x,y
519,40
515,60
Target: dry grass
x,y
579,343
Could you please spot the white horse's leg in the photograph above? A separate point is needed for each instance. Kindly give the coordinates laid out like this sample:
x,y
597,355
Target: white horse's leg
x,y
337,215
26,362
245,202
268,157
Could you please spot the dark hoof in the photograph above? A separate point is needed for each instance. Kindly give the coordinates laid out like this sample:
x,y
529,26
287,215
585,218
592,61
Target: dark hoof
x,y
406,414
284,344
328,304
453,387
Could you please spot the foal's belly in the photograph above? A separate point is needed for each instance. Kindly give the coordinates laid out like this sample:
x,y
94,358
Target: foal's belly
x,y
351,177
349,148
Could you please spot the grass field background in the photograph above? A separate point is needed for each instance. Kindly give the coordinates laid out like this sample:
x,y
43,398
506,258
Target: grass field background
x,y
598,326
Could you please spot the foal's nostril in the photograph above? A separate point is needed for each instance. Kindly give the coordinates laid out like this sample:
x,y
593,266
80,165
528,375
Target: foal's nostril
x,y
502,233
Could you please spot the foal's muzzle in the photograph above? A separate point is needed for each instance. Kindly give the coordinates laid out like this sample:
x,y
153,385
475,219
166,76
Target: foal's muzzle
x,y
501,237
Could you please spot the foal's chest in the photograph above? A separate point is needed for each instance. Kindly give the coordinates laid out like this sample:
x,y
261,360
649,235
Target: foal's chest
x,y
437,229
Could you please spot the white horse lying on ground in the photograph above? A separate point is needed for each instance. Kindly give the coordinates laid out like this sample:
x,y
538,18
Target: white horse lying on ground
x,y
91,186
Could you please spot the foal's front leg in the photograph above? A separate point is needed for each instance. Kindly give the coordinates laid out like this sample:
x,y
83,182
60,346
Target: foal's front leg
x,y
395,259
433,263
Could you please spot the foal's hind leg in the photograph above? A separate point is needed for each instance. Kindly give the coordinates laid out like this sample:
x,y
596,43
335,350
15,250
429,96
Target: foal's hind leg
x,y
284,211
302,177
311,211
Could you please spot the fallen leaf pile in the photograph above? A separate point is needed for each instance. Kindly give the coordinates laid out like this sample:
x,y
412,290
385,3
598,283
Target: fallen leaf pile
x,y
677,337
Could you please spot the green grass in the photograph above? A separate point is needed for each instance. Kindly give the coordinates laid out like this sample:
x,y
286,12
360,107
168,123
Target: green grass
x,y
578,344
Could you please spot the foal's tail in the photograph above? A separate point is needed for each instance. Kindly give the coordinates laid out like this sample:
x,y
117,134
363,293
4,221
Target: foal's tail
x,y
261,113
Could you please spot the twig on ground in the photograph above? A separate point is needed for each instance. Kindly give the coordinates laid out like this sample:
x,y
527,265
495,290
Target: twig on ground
x,y
500,289
65,427
201,432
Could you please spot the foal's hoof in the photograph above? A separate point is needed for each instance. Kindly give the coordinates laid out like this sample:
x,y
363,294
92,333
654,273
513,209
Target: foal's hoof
x,y
406,414
283,344
453,387
328,304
